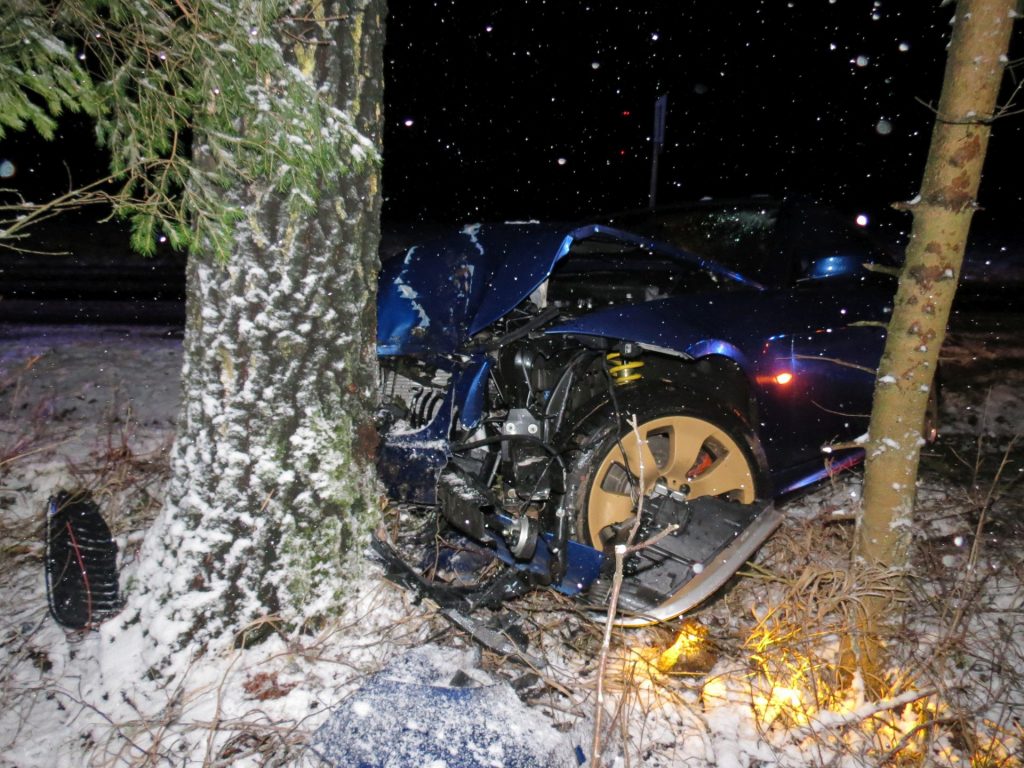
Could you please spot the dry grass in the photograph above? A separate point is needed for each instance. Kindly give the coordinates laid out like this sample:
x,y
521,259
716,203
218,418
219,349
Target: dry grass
x,y
772,647
769,648
126,482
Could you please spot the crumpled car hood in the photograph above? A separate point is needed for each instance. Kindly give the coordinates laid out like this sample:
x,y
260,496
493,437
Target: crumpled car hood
x,y
443,292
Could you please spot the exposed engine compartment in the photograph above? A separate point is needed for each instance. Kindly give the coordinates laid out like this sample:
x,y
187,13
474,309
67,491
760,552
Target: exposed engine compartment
x,y
530,374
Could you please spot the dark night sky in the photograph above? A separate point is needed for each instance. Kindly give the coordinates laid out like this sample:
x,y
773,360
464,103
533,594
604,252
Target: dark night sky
x,y
544,109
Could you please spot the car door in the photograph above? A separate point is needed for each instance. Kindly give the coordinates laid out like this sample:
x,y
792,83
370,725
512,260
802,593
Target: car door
x,y
818,375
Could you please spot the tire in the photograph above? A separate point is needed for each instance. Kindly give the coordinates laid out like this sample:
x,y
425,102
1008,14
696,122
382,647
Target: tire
x,y
694,445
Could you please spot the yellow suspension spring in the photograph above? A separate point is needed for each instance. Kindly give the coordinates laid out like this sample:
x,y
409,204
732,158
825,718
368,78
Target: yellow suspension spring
x,y
623,371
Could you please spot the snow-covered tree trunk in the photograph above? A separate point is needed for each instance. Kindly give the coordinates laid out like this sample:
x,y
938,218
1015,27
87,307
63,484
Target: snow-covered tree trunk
x,y
273,487
942,216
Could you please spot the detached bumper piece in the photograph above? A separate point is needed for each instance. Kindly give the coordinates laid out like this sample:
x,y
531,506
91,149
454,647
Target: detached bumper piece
x,y
715,537
547,559
81,563
460,605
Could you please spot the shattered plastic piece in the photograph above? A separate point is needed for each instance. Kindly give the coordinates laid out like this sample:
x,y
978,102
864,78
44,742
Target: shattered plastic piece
x,y
457,727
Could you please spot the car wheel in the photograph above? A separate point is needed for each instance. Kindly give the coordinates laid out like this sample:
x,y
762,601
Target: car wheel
x,y
688,445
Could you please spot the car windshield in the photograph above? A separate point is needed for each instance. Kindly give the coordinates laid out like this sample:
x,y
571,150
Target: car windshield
x,y
739,237
605,271
771,242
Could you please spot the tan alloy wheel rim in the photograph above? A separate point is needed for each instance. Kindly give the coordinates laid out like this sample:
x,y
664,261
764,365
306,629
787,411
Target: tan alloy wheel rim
x,y
685,453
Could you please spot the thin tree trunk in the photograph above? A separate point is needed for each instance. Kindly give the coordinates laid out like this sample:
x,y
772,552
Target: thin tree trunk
x,y
273,484
942,216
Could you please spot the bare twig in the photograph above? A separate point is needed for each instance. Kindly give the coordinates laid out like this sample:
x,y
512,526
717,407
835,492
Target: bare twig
x,y
613,601
862,713
844,363
882,269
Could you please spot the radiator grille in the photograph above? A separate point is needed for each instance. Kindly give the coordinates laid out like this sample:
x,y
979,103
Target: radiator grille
x,y
418,398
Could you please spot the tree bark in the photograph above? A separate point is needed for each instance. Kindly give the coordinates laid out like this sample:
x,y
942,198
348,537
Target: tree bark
x,y
942,215
274,484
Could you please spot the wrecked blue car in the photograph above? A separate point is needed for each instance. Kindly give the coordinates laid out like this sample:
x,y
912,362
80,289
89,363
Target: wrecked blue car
x,y
551,392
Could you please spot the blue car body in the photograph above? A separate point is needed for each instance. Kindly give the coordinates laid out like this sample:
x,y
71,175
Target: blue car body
x,y
800,334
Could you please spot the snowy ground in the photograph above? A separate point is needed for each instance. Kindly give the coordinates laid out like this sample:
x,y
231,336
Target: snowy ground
x,y
754,685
